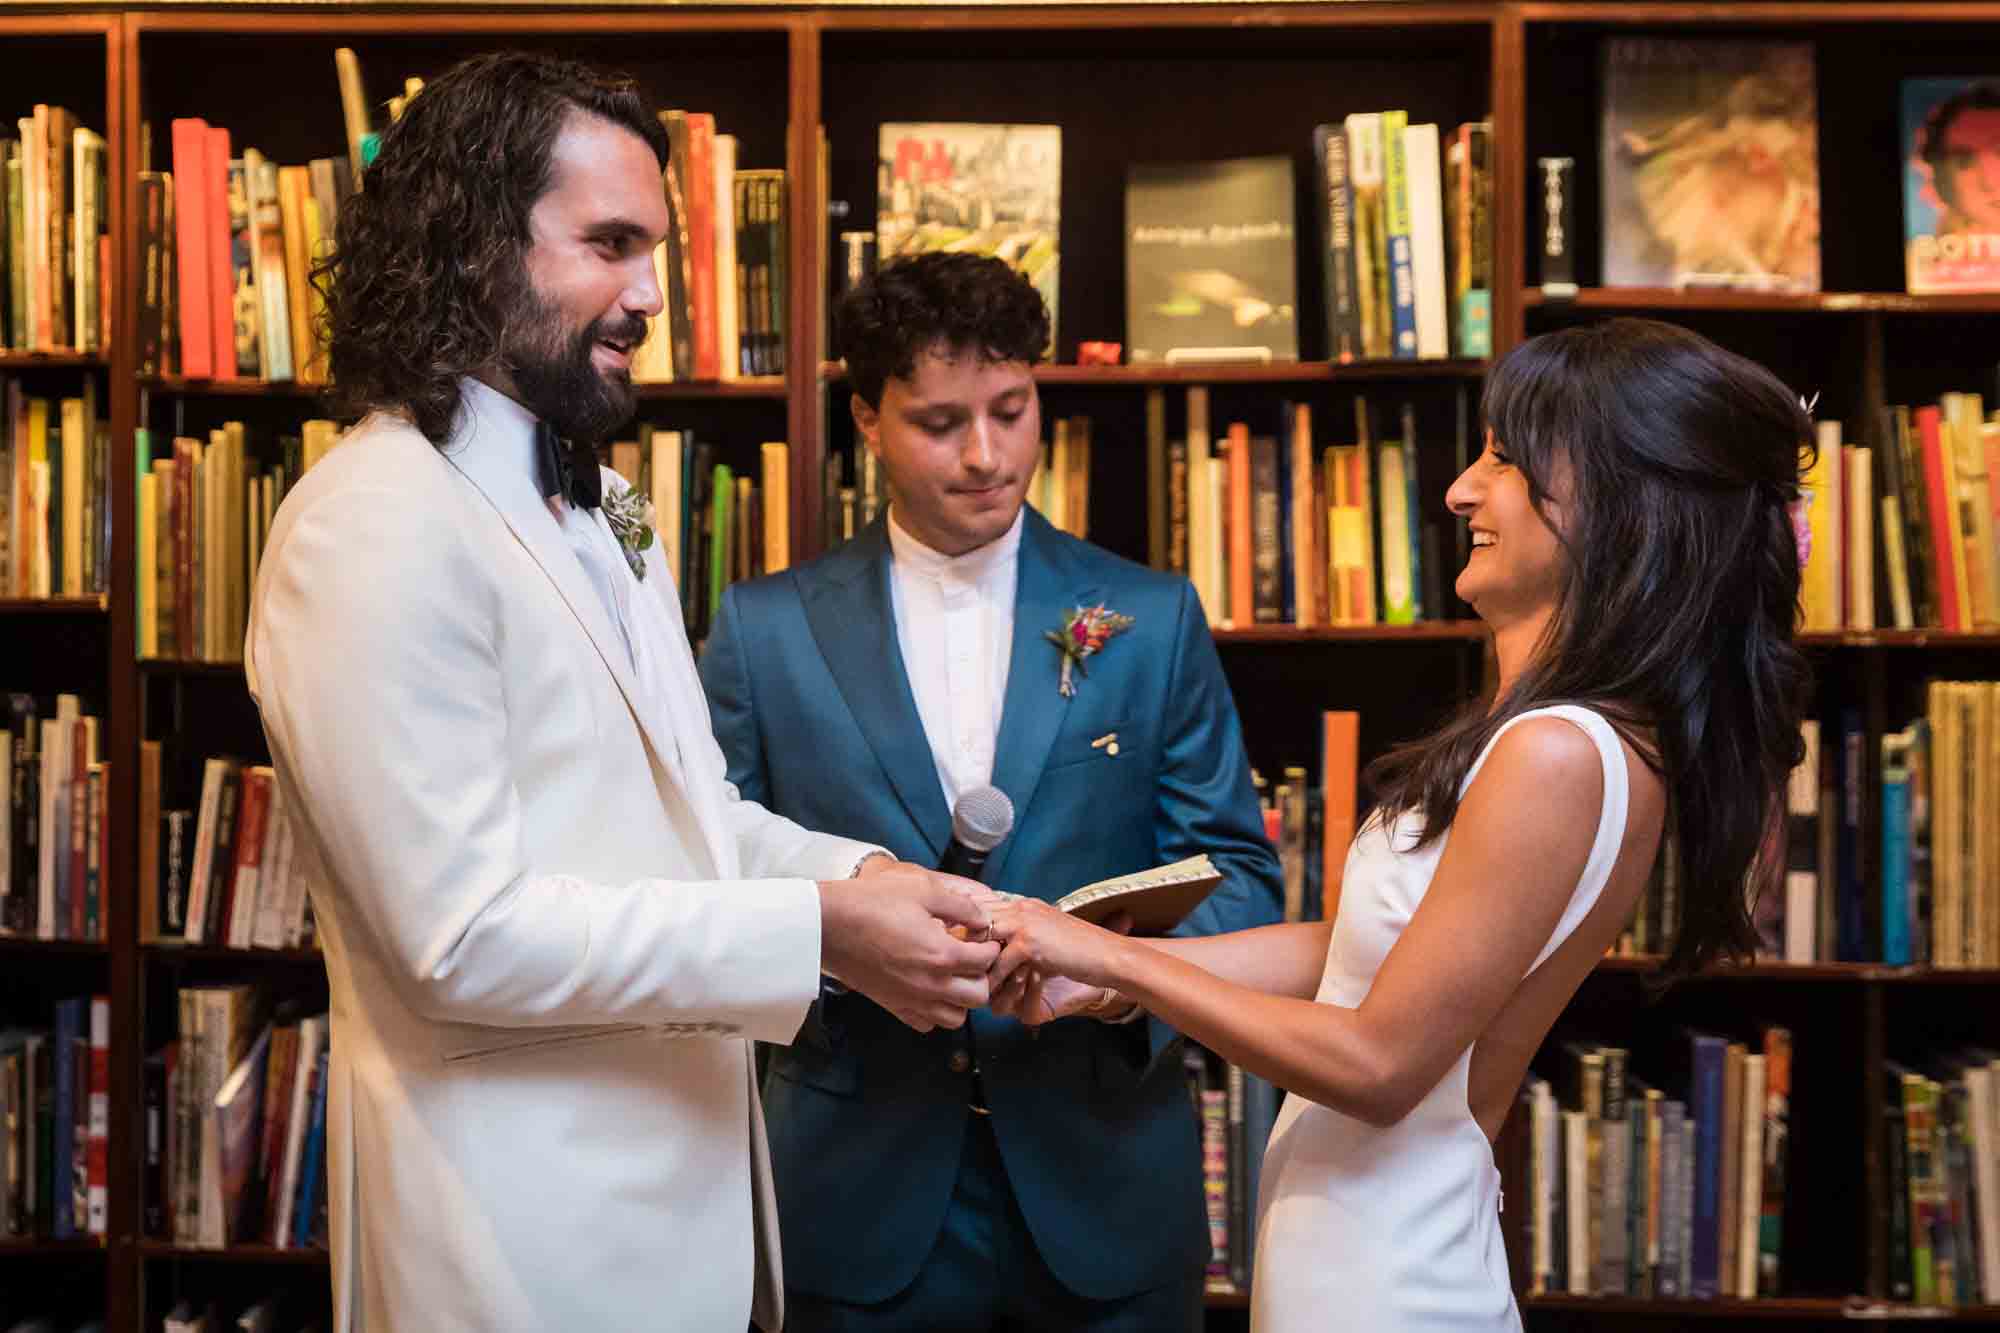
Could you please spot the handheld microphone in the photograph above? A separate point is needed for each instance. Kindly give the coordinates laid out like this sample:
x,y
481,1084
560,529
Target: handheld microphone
x,y
980,821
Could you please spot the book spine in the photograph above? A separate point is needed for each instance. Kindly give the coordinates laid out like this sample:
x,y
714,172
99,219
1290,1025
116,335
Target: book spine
x,y
1402,272
1343,314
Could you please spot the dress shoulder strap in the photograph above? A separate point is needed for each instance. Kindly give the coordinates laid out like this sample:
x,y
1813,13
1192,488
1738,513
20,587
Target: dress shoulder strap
x,y
1610,820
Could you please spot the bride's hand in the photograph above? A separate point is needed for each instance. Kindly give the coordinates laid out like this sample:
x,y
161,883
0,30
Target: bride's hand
x,y
1044,946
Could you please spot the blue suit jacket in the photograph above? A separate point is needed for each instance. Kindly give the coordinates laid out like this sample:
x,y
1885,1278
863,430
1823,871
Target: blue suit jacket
x,y
813,708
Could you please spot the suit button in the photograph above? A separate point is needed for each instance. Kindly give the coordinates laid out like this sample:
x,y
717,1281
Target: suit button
x,y
961,1061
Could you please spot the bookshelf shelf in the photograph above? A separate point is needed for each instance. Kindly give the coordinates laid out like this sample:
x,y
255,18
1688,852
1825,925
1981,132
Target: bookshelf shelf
x,y
177,384
219,953
1466,630
1275,372
35,1247
54,606
15,946
752,386
1639,299
1777,1307
233,1254
15,361
1900,638
177,666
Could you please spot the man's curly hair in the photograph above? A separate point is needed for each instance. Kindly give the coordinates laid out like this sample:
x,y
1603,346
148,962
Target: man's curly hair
x,y
961,302
428,265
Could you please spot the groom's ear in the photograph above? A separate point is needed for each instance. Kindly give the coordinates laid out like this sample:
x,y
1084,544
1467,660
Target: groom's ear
x,y
867,420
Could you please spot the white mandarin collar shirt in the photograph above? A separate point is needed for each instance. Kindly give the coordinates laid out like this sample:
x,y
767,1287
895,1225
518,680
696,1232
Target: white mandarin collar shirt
x,y
955,625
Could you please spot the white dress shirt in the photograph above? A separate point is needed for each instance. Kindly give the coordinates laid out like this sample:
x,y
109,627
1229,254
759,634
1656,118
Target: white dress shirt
x,y
955,624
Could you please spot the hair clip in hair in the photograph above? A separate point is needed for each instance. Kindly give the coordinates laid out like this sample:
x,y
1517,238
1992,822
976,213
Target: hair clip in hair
x,y
1808,403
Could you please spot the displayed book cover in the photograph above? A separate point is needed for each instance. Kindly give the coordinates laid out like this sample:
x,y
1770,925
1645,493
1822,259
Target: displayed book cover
x,y
990,189
1710,165
1211,261
1951,184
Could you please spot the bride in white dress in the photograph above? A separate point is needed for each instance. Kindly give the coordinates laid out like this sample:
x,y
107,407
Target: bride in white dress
x,y
1634,555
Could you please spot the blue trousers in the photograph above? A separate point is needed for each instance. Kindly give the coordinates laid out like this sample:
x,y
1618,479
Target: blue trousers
x,y
984,1275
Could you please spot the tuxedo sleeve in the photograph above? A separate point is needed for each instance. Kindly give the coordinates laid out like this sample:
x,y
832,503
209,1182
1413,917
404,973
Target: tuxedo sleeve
x,y
372,657
768,843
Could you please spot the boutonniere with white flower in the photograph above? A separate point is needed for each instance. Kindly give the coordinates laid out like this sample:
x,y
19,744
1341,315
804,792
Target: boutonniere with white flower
x,y
1084,633
630,515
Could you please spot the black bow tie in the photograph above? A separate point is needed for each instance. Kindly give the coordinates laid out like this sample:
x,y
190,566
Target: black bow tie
x,y
568,470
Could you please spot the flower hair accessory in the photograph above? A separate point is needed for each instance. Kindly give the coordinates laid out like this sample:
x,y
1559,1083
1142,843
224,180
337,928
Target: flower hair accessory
x,y
1800,508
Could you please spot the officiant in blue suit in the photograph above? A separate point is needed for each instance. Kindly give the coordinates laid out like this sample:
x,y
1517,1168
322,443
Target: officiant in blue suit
x,y
990,1177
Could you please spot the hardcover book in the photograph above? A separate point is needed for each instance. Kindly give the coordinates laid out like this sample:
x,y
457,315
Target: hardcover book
x,y
1710,165
1211,262
990,189
1951,184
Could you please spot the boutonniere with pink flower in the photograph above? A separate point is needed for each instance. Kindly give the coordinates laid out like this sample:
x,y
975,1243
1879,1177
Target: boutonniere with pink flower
x,y
1084,633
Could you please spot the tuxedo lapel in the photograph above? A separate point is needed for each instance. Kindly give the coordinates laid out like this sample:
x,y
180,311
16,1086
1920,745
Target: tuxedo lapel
x,y
529,518
1049,587
854,624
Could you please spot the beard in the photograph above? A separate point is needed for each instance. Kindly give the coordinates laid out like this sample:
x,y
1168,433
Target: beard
x,y
559,382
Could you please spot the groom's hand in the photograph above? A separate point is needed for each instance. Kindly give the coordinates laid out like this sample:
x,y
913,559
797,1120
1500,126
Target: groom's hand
x,y
889,938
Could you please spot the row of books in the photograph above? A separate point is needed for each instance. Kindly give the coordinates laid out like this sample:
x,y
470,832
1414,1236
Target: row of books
x,y
1401,214
55,240
1237,1110
1941,1128
236,1125
1311,824
1408,265
55,1121
224,872
55,483
1274,529
205,510
227,240
1632,1190
55,842
1906,529
722,267
716,526
1935,898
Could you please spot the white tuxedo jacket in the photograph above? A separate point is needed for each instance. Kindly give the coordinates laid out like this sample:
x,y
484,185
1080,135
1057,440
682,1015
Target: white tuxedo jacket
x,y
551,927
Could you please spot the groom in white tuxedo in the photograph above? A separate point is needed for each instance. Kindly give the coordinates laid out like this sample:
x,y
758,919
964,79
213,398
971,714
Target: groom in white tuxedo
x,y
552,927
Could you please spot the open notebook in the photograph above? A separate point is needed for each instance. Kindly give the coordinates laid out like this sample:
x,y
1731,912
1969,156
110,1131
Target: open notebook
x,y
1157,899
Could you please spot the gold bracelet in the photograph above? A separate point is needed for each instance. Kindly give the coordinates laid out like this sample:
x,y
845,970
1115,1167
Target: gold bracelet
x,y
1107,1008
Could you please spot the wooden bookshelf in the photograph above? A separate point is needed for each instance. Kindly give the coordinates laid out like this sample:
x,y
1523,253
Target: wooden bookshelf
x,y
306,1257
53,606
188,666
169,951
1235,79
15,362
19,947
1469,631
1272,372
1640,300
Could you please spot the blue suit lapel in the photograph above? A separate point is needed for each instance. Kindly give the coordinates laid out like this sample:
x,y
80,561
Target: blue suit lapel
x,y
854,625
1050,586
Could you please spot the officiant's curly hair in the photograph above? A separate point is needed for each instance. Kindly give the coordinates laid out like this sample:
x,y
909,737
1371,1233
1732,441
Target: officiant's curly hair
x,y
956,300
428,265
1677,600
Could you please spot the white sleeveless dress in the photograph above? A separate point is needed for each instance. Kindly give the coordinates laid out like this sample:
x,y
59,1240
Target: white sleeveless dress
x,y
1377,1230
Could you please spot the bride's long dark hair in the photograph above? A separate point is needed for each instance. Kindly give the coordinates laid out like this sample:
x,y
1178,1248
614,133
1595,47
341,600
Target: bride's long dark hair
x,y
1678,596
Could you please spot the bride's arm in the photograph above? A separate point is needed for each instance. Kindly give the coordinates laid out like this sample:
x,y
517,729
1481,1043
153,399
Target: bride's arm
x,y
1517,848
1278,960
